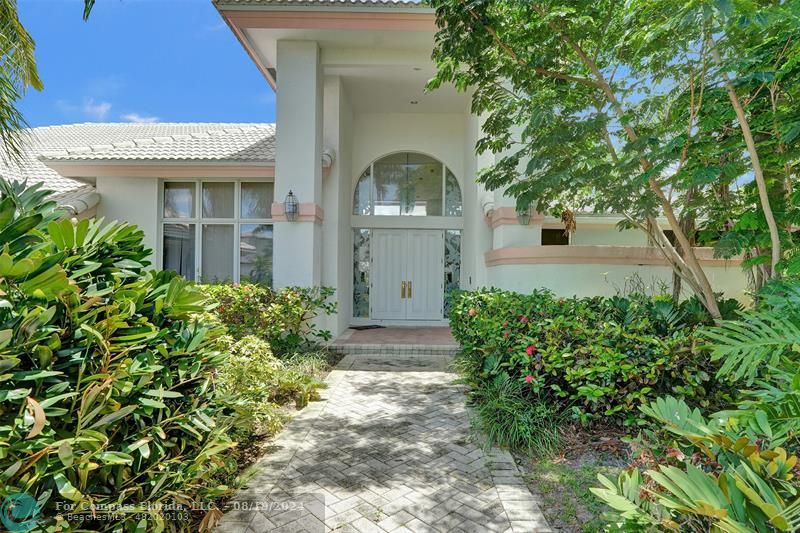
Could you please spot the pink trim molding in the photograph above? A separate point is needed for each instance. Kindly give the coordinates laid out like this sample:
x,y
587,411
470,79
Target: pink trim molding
x,y
146,170
507,216
239,33
332,20
593,255
309,212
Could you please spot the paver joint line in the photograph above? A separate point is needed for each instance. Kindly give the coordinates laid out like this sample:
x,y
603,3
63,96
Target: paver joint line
x,y
387,450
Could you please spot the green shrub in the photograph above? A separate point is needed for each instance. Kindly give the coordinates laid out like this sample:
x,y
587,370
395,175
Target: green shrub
x,y
284,318
246,383
735,470
598,357
254,383
106,382
509,416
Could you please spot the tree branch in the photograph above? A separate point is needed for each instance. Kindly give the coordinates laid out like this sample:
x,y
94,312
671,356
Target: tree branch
x,y
694,265
758,171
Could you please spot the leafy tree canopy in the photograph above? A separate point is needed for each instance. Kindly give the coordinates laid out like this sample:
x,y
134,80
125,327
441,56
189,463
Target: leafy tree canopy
x,y
633,108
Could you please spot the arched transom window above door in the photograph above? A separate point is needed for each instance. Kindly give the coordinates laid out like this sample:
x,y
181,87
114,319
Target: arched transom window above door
x,y
407,184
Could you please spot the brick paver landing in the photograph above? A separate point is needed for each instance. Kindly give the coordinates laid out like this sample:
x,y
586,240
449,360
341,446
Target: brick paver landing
x,y
387,450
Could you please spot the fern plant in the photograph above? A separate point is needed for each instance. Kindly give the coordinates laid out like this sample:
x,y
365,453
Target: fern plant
x,y
760,339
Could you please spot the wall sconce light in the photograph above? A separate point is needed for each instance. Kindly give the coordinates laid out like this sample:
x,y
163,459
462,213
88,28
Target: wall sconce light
x,y
524,216
291,208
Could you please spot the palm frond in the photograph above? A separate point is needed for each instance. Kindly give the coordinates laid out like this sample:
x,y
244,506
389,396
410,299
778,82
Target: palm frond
x,y
87,8
17,72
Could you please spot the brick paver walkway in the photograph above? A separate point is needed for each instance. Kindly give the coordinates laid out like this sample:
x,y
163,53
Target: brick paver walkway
x,y
387,450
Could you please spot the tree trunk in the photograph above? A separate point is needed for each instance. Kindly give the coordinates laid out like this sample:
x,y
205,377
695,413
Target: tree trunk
x,y
702,285
758,172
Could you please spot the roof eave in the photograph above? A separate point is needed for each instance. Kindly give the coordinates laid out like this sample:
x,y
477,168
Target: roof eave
x,y
310,16
146,162
334,9
153,168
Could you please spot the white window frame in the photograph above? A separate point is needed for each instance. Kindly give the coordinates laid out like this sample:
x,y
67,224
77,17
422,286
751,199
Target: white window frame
x,y
198,220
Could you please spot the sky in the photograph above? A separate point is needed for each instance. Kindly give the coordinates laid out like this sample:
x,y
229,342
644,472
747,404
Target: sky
x,y
140,60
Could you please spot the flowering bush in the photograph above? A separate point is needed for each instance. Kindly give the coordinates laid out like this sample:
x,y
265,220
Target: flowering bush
x,y
284,318
597,357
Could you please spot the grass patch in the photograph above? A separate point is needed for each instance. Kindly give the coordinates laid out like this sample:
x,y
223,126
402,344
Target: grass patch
x,y
564,489
508,416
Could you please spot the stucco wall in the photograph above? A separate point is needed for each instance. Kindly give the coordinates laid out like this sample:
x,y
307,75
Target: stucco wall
x,y
477,235
133,200
297,247
337,268
440,135
606,280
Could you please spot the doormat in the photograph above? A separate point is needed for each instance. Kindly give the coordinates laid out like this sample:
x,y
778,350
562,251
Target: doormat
x,y
361,328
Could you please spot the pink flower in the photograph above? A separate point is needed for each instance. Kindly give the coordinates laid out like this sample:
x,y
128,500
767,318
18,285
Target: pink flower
x,y
523,319
505,334
530,350
510,349
528,378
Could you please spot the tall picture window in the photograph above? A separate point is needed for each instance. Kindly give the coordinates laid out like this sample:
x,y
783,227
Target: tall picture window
x,y
217,230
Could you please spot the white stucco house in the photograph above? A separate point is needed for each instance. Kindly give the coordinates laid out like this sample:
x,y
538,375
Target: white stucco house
x,y
384,173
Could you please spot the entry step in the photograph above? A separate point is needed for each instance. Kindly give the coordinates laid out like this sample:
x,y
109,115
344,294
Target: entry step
x,y
394,349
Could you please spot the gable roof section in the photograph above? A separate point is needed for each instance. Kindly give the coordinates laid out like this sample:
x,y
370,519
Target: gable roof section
x,y
175,142
233,143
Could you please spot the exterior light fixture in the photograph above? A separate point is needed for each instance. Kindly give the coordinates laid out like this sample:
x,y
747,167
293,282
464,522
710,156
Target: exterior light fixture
x,y
524,216
291,209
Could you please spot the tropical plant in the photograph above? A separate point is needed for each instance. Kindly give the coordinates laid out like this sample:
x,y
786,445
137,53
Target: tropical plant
x,y
734,471
681,109
106,380
254,384
713,478
508,415
761,338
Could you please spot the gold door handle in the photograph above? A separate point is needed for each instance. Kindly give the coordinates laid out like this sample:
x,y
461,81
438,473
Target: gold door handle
x,y
402,289
409,289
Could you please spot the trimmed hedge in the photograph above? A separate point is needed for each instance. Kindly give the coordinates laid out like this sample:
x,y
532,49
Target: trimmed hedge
x,y
599,358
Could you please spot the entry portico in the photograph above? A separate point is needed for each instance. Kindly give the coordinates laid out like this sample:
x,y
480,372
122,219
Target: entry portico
x,y
389,212
397,219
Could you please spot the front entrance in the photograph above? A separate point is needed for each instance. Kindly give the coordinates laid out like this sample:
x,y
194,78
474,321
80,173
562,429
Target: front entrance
x,y
408,274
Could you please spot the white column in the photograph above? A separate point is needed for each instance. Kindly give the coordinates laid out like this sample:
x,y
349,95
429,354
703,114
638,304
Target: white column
x,y
298,245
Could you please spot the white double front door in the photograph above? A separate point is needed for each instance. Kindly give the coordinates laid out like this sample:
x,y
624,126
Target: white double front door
x,y
407,274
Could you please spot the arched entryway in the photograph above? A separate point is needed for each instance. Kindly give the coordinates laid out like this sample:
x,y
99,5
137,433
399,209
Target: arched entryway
x,y
407,230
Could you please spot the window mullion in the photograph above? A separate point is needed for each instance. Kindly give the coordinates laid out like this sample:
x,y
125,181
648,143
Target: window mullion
x,y
237,213
198,234
444,190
